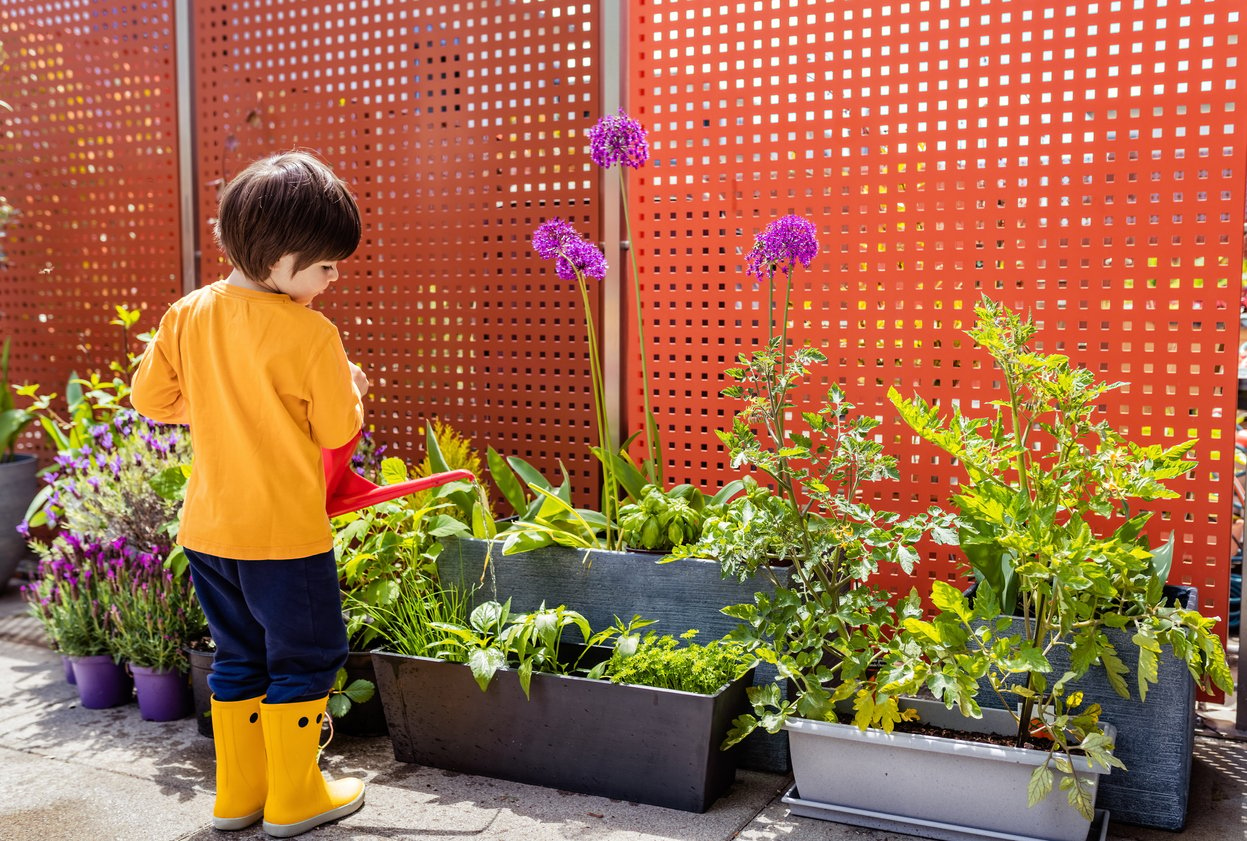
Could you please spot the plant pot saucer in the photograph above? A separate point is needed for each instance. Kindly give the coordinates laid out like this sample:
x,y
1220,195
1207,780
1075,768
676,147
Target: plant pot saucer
x,y
917,826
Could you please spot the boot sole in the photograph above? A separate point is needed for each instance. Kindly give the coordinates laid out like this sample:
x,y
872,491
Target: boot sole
x,y
289,830
237,823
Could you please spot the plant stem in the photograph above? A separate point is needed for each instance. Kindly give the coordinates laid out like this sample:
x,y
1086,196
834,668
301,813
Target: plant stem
x,y
1028,703
654,442
783,345
610,493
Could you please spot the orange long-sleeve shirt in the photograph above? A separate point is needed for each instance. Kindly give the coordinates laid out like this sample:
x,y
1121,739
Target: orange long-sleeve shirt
x,y
264,384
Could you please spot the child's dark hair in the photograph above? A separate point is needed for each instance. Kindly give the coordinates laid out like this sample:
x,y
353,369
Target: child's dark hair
x,y
290,203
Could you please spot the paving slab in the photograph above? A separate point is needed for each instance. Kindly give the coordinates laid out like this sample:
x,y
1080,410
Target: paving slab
x,y
72,773
412,801
32,680
50,800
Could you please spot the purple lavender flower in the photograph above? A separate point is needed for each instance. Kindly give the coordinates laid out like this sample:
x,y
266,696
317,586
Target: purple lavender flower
x,y
557,239
784,243
618,139
23,528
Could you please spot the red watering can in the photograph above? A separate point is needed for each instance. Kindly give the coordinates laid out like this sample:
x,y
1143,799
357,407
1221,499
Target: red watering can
x,y
346,490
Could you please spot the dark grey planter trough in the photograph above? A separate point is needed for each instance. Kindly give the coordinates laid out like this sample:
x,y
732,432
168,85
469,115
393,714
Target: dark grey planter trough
x,y
636,743
679,596
1155,738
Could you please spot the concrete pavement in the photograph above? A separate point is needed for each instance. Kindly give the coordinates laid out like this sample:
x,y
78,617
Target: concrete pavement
x,y
88,775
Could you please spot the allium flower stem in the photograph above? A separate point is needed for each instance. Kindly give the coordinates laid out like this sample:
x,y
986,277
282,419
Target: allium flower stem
x,y
653,442
610,489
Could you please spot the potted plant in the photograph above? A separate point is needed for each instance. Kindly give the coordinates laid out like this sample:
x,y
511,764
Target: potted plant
x,y
576,556
848,655
1076,575
378,550
504,694
113,489
597,582
154,615
70,598
17,475
1052,530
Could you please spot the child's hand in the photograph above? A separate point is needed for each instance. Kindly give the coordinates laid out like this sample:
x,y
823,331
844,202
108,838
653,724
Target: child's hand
x,y
359,378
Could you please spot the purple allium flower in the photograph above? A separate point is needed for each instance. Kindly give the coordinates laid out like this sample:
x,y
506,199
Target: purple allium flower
x,y
583,258
557,239
784,243
618,139
552,236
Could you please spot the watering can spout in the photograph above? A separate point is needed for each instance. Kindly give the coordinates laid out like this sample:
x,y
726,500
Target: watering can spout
x,y
346,490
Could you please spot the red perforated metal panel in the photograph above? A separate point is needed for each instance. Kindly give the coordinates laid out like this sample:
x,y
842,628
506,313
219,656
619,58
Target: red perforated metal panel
x,y
89,161
461,128
1084,161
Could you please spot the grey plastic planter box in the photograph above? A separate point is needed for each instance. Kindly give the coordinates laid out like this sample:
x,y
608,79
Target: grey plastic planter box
x,y
1155,739
916,778
602,585
636,743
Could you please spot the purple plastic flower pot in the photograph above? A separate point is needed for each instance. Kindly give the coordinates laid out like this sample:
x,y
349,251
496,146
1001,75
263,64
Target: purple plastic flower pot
x,y
101,682
68,666
164,694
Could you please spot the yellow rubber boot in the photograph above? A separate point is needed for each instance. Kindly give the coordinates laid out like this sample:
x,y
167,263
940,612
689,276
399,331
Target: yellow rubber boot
x,y
299,798
241,786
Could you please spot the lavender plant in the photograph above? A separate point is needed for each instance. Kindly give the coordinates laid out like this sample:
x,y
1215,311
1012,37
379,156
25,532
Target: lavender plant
x,y
117,484
153,611
113,493
70,597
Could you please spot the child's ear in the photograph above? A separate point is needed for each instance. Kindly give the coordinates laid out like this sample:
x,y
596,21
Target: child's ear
x,y
283,267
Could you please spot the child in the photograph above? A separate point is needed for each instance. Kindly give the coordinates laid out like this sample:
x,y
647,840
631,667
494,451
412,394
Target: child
x,y
265,384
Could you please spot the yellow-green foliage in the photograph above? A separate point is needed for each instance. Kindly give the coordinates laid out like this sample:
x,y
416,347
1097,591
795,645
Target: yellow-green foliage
x,y
456,448
459,453
663,663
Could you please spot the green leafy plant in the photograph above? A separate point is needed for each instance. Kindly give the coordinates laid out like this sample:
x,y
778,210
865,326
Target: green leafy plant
x,y
662,520
663,663
448,449
407,624
153,613
343,696
826,629
495,638
385,551
13,421
1049,526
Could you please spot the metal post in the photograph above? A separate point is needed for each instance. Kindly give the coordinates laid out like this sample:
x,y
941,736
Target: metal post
x,y
613,38
183,48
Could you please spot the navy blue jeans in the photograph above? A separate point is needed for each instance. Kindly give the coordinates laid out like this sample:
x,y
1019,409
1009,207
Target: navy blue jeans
x,y
277,626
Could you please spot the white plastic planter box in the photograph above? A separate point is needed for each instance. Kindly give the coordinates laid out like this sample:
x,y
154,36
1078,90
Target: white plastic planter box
x,y
918,778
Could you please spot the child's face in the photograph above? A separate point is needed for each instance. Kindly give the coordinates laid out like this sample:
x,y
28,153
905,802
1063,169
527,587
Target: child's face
x,y
305,285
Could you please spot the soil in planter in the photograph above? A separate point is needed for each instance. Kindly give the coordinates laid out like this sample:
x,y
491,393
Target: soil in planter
x,y
923,729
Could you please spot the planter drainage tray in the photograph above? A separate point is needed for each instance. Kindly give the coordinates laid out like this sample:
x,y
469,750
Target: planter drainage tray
x,y
916,826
